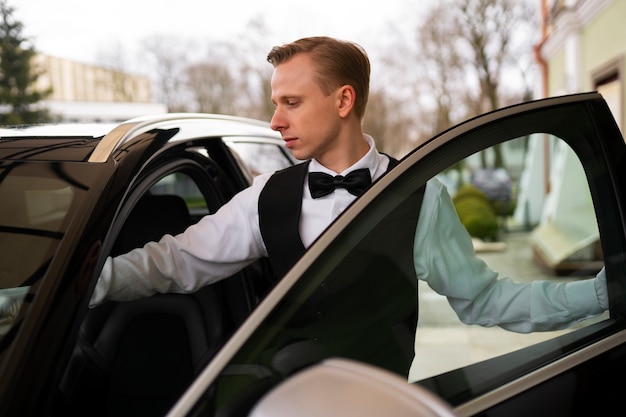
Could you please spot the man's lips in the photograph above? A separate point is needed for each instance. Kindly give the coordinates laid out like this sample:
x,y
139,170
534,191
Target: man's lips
x,y
289,142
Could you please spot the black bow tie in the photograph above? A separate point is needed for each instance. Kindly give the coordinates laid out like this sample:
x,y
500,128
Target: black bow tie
x,y
356,182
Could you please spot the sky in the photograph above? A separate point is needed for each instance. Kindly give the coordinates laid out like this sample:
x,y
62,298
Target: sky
x,y
81,30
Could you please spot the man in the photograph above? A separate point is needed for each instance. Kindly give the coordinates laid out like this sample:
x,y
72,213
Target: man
x,y
320,87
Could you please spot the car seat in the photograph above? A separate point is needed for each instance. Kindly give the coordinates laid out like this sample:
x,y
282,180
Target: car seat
x,y
137,357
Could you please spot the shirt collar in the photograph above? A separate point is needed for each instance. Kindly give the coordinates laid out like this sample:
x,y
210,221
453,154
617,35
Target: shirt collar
x,y
370,160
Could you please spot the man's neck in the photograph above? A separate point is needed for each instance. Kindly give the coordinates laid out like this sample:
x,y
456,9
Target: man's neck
x,y
346,154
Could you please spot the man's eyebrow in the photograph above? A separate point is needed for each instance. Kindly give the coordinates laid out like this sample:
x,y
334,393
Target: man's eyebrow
x,y
287,97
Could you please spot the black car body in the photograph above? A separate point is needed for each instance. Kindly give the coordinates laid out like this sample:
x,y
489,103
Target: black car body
x,y
66,191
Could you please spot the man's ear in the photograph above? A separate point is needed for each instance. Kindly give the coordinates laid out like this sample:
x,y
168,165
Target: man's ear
x,y
346,96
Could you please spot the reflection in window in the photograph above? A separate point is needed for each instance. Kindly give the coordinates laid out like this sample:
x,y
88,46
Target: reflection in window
x,y
32,214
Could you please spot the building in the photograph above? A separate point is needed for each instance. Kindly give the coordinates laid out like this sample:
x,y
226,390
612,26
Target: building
x,y
582,49
88,93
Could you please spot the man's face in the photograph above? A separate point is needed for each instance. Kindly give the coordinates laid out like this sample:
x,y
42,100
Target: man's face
x,y
307,119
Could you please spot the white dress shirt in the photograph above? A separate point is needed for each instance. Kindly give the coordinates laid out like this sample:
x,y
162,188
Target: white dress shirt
x,y
444,257
220,244
223,243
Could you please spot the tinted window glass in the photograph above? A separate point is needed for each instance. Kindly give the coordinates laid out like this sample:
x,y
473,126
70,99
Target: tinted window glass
x,y
518,232
37,203
185,187
32,212
262,157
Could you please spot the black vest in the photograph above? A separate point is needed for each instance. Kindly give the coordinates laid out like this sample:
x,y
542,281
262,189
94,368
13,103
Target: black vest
x,y
280,207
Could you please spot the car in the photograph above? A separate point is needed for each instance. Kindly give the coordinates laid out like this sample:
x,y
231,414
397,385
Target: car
x,y
73,192
349,329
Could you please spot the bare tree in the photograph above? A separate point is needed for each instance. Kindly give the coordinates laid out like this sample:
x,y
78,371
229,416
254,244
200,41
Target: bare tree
x,y
115,79
465,49
390,127
233,76
440,66
252,53
488,29
214,82
168,58
211,87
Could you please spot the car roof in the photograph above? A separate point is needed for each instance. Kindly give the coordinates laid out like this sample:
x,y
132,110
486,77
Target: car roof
x,y
109,137
93,130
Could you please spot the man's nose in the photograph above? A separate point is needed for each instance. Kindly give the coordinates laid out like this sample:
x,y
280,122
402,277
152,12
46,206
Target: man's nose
x,y
277,123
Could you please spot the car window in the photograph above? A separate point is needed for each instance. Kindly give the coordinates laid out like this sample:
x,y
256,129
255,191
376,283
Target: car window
x,y
366,298
184,186
35,204
524,237
262,157
33,215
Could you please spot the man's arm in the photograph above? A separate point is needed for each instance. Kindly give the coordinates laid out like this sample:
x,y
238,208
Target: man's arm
x,y
444,257
215,248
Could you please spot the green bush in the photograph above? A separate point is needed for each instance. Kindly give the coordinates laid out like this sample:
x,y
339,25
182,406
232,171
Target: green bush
x,y
504,208
476,212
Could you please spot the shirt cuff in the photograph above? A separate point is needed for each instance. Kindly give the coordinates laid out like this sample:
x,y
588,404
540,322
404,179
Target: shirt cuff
x,y
601,290
583,299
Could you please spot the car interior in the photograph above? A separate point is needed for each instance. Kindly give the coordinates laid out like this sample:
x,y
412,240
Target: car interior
x,y
137,357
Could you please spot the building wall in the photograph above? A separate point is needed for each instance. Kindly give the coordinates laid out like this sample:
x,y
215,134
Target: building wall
x,y
88,93
557,79
604,40
586,50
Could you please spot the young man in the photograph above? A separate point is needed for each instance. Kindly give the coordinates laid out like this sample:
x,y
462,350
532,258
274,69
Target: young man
x,y
320,87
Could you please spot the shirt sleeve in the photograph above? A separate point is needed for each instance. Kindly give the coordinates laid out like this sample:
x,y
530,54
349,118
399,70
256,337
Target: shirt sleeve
x,y
444,257
216,247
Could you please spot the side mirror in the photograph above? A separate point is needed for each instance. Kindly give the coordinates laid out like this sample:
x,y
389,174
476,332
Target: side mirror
x,y
347,388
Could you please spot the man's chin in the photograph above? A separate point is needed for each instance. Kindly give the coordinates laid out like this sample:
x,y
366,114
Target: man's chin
x,y
299,155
